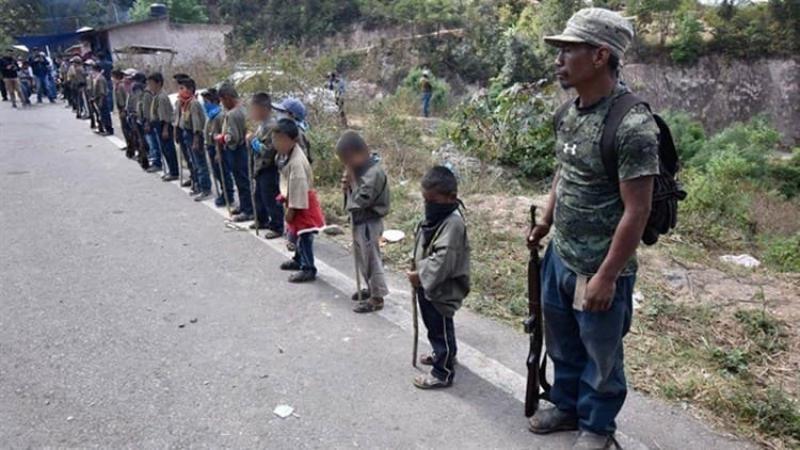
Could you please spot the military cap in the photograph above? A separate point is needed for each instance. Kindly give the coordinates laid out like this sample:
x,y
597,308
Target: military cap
x,y
599,27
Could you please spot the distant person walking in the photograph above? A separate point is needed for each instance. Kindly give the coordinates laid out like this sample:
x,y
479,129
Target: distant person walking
x,y
9,67
44,77
427,93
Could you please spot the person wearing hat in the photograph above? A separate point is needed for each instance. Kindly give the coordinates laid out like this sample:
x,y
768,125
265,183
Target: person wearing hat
x,y
192,123
589,268
161,116
135,113
222,174
120,99
294,109
427,93
233,150
8,68
269,213
44,78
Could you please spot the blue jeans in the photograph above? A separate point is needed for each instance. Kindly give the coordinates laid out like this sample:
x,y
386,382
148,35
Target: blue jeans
x,y
166,146
441,335
45,85
200,178
237,161
270,212
304,251
154,148
105,117
227,182
586,347
426,104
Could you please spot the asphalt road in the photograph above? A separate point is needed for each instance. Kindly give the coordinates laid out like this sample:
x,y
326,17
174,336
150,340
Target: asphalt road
x,y
131,317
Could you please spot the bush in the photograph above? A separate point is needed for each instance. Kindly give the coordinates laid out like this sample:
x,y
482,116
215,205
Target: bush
x,y
512,128
410,88
752,142
688,134
783,253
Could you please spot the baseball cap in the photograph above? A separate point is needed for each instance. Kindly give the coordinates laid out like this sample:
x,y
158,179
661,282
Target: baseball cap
x,y
599,27
292,106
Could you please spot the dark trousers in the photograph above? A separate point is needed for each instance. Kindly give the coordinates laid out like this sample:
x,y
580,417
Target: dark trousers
x,y
441,335
3,91
127,134
237,161
269,211
586,347
167,146
104,114
304,251
222,174
200,179
186,154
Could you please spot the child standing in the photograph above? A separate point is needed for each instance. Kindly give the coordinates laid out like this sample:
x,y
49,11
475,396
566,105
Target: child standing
x,y
366,191
212,128
100,99
265,171
303,213
233,147
161,124
192,122
441,275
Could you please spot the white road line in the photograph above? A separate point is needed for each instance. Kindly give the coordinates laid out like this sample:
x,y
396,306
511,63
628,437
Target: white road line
x,y
477,362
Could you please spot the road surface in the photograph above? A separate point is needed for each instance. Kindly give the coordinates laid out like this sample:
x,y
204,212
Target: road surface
x,y
132,317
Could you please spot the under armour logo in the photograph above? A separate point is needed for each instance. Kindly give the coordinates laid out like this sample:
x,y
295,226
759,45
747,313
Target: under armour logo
x,y
570,149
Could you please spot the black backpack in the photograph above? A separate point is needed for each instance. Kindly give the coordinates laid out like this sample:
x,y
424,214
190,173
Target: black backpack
x,y
667,191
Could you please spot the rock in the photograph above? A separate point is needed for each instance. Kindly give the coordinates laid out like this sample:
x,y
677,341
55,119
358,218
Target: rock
x,y
333,230
193,320
638,299
741,260
283,411
393,235
181,325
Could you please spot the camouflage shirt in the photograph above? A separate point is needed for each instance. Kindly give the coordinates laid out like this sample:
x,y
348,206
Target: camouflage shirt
x,y
588,204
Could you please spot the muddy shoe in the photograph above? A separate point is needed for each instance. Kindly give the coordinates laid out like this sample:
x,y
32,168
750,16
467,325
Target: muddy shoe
x,y
186,183
427,360
290,265
302,277
551,420
272,234
203,196
368,306
364,295
168,178
428,381
592,441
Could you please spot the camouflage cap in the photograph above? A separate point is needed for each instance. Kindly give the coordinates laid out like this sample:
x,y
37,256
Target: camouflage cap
x,y
599,27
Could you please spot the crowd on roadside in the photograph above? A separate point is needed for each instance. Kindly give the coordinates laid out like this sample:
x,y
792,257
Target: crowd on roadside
x,y
26,75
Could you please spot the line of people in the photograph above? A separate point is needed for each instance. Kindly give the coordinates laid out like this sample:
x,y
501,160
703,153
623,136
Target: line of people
x,y
265,175
23,77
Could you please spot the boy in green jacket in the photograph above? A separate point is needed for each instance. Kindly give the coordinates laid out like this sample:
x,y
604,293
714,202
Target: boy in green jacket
x,y
441,274
366,191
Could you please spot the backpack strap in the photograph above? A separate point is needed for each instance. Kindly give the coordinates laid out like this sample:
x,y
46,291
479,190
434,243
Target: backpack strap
x,y
608,142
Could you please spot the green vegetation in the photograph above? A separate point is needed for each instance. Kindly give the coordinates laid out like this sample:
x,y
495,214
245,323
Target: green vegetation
x,y
184,11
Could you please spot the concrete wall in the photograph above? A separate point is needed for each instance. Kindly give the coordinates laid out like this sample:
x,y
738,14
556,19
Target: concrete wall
x,y
195,43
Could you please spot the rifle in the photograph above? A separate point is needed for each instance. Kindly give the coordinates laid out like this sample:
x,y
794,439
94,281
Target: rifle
x,y
537,365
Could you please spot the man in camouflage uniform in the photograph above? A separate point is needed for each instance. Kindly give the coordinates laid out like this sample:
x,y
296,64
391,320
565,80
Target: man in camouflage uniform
x,y
589,269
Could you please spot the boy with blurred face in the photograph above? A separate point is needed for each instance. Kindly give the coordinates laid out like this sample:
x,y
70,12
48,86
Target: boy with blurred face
x,y
231,141
212,128
265,169
177,124
366,191
304,216
161,124
192,120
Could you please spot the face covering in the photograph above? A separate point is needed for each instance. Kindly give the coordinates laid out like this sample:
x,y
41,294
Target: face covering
x,y
435,213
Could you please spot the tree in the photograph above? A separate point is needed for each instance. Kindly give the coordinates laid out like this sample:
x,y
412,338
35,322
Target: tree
x,y
184,11
688,45
658,14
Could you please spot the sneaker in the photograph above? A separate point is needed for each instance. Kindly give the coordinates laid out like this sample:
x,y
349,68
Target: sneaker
x,y
153,169
242,217
364,295
203,196
369,306
290,265
428,381
272,234
186,183
193,191
302,277
551,420
168,178
219,202
592,441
